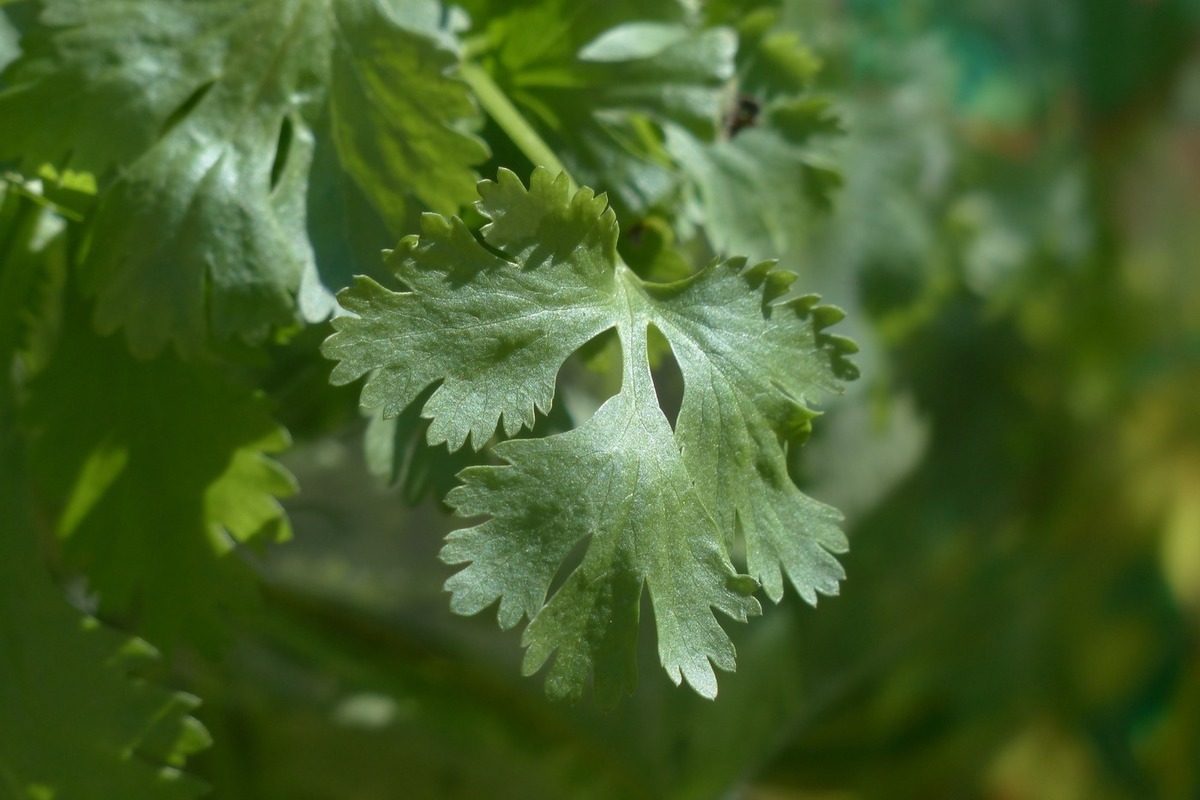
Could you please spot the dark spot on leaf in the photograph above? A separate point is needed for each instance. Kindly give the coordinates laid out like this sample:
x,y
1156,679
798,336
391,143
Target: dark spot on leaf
x,y
635,233
744,114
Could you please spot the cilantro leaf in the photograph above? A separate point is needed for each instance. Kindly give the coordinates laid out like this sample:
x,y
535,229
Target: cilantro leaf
x,y
600,86
75,723
202,231
535,33
492,322
400,121
754,190
636,76
395,450
755,185
636,109
160,477
9,47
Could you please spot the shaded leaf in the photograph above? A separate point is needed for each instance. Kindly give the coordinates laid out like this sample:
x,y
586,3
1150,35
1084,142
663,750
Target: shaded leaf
x,y
601,79
203,231
74,722
755,188
161,469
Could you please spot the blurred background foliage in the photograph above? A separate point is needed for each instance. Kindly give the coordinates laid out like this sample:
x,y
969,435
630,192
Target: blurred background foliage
x,y
1015,240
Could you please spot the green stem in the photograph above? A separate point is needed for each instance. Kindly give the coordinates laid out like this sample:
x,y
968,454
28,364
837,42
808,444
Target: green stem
x,y
496,103
475,46
17,184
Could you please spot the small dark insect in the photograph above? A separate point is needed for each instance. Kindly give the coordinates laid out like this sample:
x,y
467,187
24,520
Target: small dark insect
x,y
744,114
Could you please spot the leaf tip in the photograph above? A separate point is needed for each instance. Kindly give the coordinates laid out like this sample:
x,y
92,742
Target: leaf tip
x,y
703,679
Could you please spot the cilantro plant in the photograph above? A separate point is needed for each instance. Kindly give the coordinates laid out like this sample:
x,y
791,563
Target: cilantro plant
x,y
186,188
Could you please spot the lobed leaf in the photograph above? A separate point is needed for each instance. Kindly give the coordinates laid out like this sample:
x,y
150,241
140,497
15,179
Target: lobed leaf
x,y
651,111
753,187
491,320
600,79
75,722
202,232
74,719
161,468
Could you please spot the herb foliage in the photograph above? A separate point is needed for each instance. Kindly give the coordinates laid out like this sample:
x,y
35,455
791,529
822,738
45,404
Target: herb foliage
x,y
188,184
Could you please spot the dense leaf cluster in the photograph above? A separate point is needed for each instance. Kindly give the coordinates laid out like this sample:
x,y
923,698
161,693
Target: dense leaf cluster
x,y
188,184
582,381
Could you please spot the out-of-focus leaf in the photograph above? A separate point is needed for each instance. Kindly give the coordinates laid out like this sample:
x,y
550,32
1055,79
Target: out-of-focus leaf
x,y
76,723
599,85
10,46
758,189
396,451
203,231
162,469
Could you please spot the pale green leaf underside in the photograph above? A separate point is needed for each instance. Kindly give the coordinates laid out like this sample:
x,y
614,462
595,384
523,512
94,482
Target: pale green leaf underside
x,y
657,508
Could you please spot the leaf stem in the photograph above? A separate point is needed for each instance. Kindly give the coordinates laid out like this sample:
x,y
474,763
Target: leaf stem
x,y
19,185
473,46
496,103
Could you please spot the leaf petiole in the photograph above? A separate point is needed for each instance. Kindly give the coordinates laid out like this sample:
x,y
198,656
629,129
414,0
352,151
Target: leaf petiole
x,y
496,103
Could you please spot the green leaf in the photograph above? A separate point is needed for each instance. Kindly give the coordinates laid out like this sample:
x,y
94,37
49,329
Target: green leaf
x,y
74,722
637,108
9,42
203,231
395,450
756,189
400,122
29,231
531,32
756,186
161,469
600,86
491,323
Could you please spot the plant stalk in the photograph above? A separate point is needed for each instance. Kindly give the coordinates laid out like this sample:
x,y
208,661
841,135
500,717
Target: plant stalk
x,y
497,105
